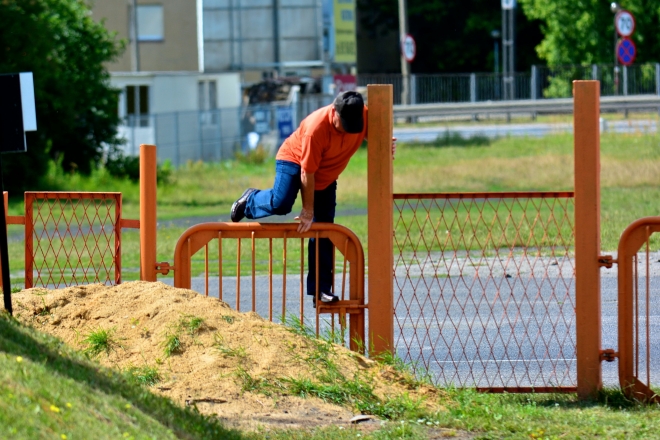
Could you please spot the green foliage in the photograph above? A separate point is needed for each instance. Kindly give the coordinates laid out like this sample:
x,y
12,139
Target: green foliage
x,y
16,289
129,167
253,157
145,375
98,341
172,344
450,36
59,41
582,32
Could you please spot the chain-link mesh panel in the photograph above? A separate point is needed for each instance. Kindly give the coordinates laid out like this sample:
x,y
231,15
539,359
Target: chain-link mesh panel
x,y
72,238
484,288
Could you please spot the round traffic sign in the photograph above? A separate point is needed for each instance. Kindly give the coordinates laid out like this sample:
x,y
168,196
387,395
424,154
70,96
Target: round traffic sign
x,y
626,51
408,48
624,23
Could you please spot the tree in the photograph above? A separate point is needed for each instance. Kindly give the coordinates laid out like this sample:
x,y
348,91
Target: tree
x,y
452,36
582,32
65,48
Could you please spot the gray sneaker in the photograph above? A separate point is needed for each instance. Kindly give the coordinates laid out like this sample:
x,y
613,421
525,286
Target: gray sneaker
x,y
326,298
238,208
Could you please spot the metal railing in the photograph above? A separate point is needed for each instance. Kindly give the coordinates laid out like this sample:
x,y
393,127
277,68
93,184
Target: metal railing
x,y
484,289
539,83
262,268
72,238
638,307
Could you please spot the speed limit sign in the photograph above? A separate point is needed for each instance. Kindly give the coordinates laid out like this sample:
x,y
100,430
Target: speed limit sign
x,y
625,23
408,48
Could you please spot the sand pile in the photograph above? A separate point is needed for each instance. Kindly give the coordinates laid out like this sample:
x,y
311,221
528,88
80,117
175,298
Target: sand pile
x,y
235,365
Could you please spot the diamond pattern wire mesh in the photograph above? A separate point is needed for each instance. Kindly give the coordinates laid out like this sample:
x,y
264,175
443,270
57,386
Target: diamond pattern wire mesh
x,y
484,289
72,239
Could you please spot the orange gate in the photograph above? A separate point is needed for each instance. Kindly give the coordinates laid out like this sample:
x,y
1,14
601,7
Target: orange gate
x,y
484,289
638,311
72,238
256,275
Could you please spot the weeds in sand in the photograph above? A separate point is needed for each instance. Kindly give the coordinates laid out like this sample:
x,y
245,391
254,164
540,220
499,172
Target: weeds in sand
x,y
135,322
188,324
331,384
191,324
228,319
172,344
251,383
99,340
16,289
239,352
145,375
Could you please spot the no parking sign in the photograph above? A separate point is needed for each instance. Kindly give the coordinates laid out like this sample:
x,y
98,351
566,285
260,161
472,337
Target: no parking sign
x,y
626,51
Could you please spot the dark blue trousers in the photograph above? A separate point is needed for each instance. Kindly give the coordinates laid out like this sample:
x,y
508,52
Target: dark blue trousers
x,y
279,200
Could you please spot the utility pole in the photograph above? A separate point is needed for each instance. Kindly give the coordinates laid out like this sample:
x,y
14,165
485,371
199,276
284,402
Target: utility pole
x,y
135,48
405,65
508,47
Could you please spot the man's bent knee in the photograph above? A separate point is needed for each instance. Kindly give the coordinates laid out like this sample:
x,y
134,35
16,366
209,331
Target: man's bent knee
x,y
281,206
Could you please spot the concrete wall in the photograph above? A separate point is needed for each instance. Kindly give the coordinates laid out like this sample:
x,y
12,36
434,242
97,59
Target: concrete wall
x,y
178,92
178,49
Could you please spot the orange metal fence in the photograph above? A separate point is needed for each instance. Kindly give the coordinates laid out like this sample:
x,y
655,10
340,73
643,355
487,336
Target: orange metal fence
x,y
484,289
272,249
73,238
638,311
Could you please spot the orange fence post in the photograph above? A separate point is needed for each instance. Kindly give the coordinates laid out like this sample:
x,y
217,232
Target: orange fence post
x,y
587,236
380,223
148,213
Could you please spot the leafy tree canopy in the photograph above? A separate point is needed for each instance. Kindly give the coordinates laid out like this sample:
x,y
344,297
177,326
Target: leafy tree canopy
x,y
65,48
454,36
582,32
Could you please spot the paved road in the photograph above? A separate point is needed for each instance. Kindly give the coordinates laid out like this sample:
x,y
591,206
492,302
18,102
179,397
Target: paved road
x,y
429,134
476,344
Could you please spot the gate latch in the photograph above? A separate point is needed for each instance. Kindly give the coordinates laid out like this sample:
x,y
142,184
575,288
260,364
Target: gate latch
x,y
164,268
608,355
606,261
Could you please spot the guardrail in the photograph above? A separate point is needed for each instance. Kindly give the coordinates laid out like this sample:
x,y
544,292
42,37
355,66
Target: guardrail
x,y
561,105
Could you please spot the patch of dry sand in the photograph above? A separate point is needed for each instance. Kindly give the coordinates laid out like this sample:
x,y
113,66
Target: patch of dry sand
x,y
141,315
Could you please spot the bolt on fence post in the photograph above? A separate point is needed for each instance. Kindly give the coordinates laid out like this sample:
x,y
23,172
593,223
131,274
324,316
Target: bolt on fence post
x,y
380,222
148,212
586,113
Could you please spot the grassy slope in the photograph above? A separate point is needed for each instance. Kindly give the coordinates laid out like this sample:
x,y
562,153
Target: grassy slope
x,y
48,390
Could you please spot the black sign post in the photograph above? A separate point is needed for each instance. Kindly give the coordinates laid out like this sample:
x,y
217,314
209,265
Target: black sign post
x,y
17,115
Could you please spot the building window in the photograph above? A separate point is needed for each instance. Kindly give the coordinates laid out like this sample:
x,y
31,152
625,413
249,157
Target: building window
x,y
150,22
137,106
207,98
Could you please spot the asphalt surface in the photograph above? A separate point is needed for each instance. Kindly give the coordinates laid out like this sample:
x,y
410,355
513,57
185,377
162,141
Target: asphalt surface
x,y
429,134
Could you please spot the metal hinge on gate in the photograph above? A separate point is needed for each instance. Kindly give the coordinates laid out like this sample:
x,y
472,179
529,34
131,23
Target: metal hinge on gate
x,y
608,355
606,261
163,268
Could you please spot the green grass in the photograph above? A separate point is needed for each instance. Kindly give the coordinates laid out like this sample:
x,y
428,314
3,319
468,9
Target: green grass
x,y
99,341
145,375
48,390
630,181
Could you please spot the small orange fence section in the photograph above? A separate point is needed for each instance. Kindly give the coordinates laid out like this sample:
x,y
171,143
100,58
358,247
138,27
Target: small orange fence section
x,y
260,255
637,307
484,289
72,238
